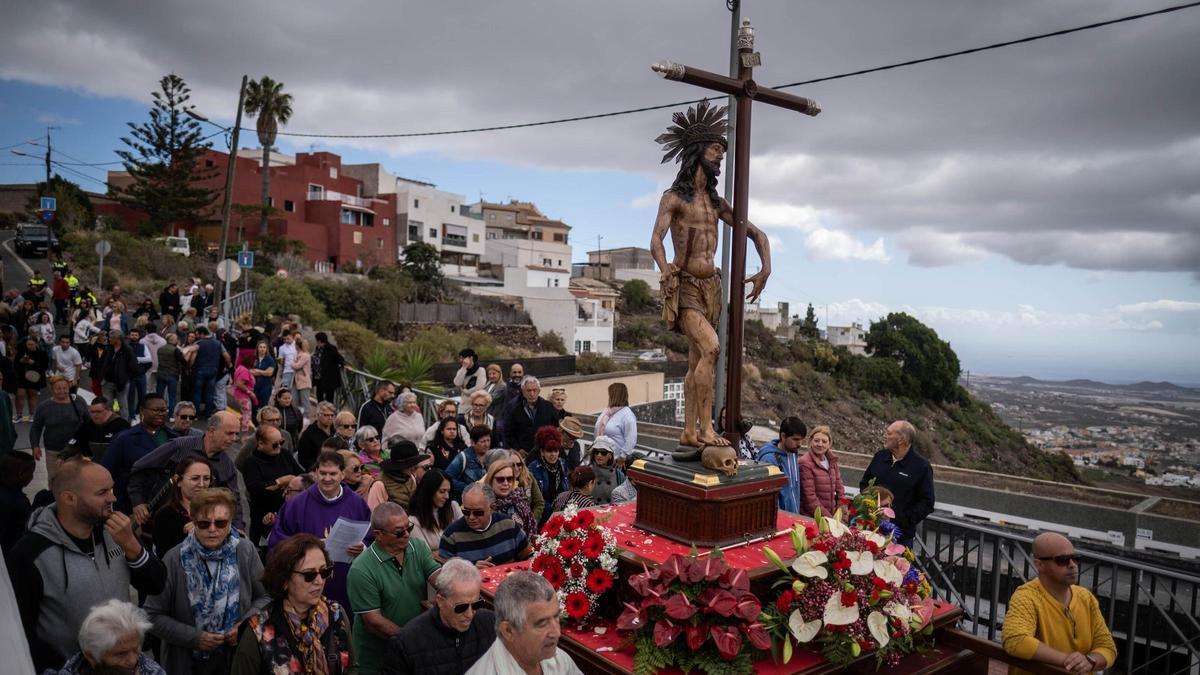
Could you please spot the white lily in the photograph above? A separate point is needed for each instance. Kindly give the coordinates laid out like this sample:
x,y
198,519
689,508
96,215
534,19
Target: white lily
x,y
884,569
812,564
837,614
861,562
877,623
801,630
898,610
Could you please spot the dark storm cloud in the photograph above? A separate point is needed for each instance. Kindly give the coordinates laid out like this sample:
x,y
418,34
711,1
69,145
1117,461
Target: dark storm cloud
x,y
1081,150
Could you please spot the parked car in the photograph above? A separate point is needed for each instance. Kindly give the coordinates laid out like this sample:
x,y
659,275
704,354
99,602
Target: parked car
x,y
652,355
35,240
178,245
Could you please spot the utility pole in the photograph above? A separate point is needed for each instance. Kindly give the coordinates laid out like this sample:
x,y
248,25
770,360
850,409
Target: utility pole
x,y
227,203
735,22
599,258
48,156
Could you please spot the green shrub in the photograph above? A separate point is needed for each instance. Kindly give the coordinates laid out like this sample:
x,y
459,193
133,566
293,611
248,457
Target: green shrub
x,y
283,297
589,363
354,341
551,341
365,301
445,345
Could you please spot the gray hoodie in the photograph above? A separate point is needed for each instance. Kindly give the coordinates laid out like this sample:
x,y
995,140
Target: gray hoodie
x,y
57,584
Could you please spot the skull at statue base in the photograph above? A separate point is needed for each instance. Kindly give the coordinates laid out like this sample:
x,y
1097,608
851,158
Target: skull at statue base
x,y
721,458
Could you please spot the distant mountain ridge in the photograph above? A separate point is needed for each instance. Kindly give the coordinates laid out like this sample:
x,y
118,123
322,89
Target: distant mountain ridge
x,y
1143,386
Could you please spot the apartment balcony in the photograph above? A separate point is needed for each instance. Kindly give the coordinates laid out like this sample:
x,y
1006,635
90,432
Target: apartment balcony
x,y
456,241
334,196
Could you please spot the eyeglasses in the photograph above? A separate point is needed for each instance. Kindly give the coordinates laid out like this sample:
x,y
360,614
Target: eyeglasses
x,y
354,469
272,420
345,426
402,532
311,575
598,451
1061,560
503,479
97,412
464,606
219,523
474,513
157,411
277,444
186,417
368,439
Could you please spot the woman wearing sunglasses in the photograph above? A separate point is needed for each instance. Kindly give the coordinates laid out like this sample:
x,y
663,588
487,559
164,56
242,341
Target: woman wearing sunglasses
x,y
212,586
172,522
511,498
608,476
370,449
300,622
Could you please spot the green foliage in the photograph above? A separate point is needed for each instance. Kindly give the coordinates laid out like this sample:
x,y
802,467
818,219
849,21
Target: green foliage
x,y
74,208
551,341
762,347
422,263
444,345
875,375
354,341
413,366
132,259
162,158
266,100
635,295
589,363
929,362
379,364
282,297
364,301
808,327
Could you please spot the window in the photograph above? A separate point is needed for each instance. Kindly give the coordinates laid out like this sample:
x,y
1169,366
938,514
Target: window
x,y
546,262
347,217
456,235
333,172
416,203
536,234
357,237
556,282
559,237
289,205
379,244
451,208
271,201
547,283
387,222
208,164
475,238
587,345
560,264
433,233
491,236
315,192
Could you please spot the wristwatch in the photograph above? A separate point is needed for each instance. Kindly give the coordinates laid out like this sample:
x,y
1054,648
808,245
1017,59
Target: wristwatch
x,y
1091,661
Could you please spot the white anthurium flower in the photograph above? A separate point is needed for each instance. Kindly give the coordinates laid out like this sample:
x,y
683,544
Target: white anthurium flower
x,y
801,630
812,564
877,623
836,528
837,614
861,562
884,569
898,610
878,539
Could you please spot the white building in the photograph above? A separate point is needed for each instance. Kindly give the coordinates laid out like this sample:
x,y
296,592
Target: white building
x,y
852,337
428,215
593,327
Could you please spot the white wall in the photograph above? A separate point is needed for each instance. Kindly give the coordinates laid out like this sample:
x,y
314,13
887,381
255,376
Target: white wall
x,y
525,252
651,277
552,309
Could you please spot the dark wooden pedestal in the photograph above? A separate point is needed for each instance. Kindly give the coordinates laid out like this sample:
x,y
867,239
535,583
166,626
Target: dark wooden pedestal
x,y
691,504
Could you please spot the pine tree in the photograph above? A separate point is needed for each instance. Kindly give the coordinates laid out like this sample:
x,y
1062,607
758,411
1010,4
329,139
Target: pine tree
x,y
808,328
163,161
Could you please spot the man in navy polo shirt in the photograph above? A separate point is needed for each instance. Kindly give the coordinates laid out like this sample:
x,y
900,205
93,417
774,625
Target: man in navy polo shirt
x,y
907,474
209,354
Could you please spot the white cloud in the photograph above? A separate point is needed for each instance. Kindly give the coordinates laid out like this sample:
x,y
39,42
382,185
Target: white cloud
x,y
647,201
823,244
803,217
931,248
1159,306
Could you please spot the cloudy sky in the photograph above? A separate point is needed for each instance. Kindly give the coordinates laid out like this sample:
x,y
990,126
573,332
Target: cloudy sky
x,y
1038,205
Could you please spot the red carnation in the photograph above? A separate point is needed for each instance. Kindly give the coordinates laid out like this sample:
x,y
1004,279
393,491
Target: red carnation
x,y
578,605
872,547
569,548
599,581
849,598
810,530
576,570
784,602
593,546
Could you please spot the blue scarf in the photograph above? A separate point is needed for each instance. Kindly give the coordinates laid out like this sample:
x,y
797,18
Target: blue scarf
x,y
215,597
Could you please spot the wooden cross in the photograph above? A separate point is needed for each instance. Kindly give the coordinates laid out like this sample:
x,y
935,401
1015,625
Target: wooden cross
x,y
745,91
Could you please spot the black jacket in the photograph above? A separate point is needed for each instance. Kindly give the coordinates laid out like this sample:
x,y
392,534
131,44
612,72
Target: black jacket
x,y
259,473
327,366
911,482
119,365
519,428
308,446
427,646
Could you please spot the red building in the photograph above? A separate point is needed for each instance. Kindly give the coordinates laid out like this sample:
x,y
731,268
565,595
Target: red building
x,y
316,205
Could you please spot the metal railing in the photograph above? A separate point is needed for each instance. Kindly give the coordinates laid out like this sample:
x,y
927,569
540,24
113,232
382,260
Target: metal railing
x,y
237,305
358,387
1151,611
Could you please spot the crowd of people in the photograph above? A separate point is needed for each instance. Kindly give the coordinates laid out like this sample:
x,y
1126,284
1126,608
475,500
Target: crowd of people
x,y
234,537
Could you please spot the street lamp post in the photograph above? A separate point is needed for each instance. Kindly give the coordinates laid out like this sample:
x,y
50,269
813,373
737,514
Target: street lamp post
x,y
227,202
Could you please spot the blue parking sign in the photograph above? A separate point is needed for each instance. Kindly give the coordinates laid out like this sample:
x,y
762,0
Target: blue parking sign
x,y
245,259
49,204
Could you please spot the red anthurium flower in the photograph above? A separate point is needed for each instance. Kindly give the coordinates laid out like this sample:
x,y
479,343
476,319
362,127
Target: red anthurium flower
x,y
578,605
735,579
696,635
599,581
758,635
718,600
678,607
728,641
666,632
671,569
748,607
632,618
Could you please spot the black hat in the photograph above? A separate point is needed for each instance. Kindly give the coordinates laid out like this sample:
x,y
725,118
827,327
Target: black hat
x,y
402,456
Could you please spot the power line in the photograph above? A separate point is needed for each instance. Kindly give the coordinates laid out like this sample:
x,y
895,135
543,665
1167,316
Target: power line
x,y
828,78
17,145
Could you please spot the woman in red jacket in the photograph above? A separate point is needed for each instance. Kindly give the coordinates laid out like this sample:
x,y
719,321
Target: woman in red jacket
x,y
820,477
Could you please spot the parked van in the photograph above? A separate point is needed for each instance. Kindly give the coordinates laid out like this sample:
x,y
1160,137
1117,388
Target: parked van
x,y
176,245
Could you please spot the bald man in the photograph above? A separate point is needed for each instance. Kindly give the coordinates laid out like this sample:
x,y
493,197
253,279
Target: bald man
x,y
151,473
77,554
901,469
1051,619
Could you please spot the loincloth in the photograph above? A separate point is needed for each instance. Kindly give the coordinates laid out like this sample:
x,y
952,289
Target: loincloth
x,y
702,295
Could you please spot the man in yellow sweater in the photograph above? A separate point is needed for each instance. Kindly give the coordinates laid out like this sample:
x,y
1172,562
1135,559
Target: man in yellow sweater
x,y
1052,620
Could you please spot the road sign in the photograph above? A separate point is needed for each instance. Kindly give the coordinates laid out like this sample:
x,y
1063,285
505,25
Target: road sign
x,y
281,273
245,259
47,216
49,204
228,270
103,247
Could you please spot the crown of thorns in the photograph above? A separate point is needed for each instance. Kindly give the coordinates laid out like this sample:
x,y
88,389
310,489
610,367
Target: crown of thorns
x,y
700,124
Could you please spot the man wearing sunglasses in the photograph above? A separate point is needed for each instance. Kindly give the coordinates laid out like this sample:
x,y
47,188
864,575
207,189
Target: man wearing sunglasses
x,y
387,584
481,536
1053,620
451,636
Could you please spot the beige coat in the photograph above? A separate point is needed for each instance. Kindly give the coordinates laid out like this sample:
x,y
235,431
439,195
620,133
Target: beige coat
x,y
302,369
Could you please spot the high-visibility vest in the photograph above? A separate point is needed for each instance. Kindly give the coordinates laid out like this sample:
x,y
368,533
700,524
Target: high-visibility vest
x,y
37,282
72,282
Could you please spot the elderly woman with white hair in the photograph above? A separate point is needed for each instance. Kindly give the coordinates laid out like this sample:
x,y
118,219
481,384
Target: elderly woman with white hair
x,y
407,422
110,641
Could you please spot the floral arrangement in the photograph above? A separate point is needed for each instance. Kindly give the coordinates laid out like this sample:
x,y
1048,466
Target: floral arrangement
x,y
850,590
696,613
865,513
579,559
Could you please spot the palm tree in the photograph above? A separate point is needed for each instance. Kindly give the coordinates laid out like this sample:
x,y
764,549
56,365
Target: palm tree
x,y
266,100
